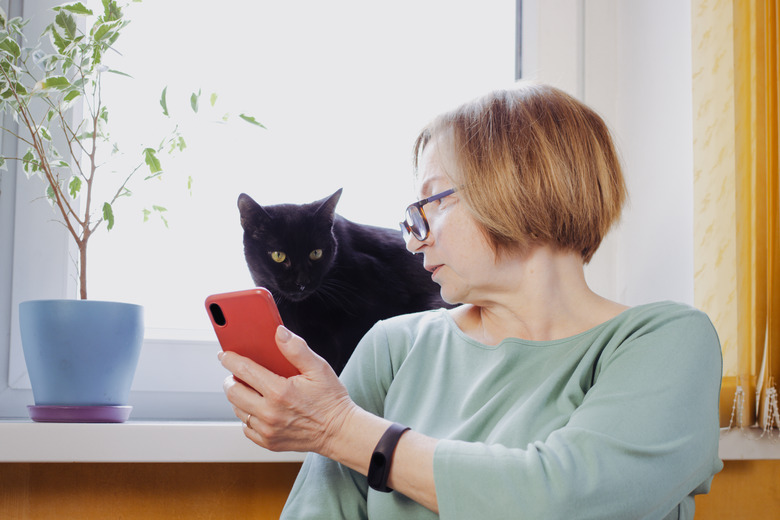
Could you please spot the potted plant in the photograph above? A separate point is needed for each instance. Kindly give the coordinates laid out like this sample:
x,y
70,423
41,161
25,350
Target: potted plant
x,y
81,354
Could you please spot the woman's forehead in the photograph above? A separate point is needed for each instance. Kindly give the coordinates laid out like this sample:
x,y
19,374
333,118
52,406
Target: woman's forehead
x,y
437,166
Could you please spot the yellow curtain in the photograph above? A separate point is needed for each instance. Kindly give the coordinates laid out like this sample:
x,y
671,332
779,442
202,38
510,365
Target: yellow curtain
x,y
756,99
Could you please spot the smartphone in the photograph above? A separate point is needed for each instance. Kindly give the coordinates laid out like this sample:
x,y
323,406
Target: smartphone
x,y
246,323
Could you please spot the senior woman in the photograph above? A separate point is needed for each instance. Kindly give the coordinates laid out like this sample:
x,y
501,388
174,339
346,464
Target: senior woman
x,y
536,398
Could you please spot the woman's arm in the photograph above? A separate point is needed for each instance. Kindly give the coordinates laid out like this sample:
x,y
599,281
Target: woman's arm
x,y
312,412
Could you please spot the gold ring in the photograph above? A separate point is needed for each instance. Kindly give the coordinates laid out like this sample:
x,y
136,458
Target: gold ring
x,y
248,418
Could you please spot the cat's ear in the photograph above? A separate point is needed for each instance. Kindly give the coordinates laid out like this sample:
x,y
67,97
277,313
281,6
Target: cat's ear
x,y
249,210
328,206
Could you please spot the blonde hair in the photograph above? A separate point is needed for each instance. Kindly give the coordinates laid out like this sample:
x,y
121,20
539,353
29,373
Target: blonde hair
x,y
535,166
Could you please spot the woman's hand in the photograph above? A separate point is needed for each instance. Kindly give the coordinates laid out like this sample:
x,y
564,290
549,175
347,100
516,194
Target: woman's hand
x,y
300,413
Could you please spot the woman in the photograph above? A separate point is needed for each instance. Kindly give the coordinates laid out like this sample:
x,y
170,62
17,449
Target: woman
x,y
536,398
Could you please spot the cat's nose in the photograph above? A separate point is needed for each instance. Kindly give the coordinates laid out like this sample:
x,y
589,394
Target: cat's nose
x,y
301,287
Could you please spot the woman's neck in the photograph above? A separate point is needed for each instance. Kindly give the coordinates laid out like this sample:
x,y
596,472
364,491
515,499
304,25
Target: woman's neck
x,y
541,295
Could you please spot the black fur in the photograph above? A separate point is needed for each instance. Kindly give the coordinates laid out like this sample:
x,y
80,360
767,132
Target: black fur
x,y
364,274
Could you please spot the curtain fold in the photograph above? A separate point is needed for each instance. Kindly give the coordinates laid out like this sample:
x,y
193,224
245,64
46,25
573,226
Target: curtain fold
x,y
756,100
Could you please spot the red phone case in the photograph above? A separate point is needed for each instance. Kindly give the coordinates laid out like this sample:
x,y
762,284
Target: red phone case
x,y
246,323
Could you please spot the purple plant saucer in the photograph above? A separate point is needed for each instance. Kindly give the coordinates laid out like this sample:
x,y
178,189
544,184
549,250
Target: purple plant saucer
x,y
80,414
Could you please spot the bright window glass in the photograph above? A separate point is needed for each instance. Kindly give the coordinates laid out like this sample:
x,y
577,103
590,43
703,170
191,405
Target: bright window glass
x,y
342,87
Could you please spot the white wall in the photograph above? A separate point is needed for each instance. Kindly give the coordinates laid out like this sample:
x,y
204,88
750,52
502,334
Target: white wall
x,y
631,61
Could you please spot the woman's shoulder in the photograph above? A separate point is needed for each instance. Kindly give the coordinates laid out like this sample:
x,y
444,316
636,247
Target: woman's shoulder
x,y
665,312
673,322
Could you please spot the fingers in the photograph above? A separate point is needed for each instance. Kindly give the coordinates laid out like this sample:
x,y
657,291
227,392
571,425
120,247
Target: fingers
x,y
285,413
297,351
247,371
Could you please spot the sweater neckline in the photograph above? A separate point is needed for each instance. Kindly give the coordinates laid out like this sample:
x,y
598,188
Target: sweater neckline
x,y
543,343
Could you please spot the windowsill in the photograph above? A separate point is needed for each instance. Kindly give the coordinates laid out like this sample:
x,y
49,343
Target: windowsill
x,y
132,441
747,444
218,441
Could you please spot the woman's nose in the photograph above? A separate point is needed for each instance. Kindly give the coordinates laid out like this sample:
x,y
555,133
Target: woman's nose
x,y
413,245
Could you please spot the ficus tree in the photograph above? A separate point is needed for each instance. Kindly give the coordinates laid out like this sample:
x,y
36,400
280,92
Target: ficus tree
x,y
53,91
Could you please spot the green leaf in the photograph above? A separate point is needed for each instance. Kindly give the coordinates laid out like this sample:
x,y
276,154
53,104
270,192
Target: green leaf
x,y
150,157
74,187
70,96
3,165
11,47
119,73
107,31
58,82
252,120
108,215
213,99
111,10
67,23
29,162
58,41
77,8
194,101
178,144
189,184
164,101
44,133
160,210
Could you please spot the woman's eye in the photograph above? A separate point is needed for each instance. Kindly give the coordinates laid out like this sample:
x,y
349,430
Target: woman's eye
x,y
440,203
316,254
278,256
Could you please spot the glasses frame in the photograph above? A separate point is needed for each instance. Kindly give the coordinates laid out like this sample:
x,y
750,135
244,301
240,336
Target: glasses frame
x,y
417,208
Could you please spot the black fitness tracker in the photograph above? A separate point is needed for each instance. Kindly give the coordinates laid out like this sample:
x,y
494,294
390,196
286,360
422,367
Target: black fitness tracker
x,y
381,459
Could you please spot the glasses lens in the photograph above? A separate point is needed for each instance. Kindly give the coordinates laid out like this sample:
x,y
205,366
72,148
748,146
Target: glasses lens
x,y
418,226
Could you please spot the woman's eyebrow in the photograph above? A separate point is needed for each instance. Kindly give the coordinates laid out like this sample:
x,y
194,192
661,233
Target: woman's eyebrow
x,y
425,188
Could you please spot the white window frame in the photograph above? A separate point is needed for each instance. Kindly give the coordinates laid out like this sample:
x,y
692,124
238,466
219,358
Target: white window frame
x,y
648,257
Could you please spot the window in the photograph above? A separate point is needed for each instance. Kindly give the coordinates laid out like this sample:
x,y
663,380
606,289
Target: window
x,y
342,87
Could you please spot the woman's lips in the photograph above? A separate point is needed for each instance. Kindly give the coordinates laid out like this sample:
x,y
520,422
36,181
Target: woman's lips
x,y
433,269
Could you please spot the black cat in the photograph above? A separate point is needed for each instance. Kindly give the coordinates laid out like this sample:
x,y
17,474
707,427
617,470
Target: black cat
x,y
332,279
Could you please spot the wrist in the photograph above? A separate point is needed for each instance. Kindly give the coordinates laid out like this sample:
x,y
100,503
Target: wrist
x,y
355,438
335,430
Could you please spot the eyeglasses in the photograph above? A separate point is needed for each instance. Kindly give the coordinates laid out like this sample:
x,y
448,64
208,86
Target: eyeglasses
x,y
415,223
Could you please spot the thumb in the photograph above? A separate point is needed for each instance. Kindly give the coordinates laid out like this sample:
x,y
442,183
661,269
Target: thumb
x,y
297,352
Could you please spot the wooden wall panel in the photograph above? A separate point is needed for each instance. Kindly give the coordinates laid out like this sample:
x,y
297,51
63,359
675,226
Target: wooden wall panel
x,y
145,491
743,489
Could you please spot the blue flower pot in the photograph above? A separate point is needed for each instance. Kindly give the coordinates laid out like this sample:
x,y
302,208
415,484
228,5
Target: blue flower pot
x,y
81,353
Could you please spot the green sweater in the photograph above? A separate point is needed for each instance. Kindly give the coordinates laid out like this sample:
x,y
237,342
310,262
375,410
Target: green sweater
x,y
620,421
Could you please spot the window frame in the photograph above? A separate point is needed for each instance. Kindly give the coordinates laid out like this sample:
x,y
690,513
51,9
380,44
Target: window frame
x,y
554,38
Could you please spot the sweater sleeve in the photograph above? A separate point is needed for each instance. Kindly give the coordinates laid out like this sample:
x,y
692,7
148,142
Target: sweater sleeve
x,y
643,441
326,489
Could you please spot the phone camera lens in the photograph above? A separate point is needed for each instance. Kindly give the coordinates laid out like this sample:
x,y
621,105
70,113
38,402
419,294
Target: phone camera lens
x,y
219,316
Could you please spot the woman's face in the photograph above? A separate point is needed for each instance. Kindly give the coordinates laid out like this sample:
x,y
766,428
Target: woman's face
x,y
456,252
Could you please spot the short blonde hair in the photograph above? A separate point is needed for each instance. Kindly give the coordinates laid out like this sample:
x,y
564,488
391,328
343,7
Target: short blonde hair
x,y
537,166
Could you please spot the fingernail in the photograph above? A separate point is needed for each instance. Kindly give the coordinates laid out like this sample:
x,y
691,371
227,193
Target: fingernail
x,y
282,333
220,355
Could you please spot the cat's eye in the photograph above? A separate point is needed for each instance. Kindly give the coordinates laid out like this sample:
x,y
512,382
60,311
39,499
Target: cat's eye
x,y
278,256
316,254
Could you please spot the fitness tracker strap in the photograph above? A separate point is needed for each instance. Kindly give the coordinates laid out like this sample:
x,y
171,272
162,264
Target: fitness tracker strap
x,y
382,458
